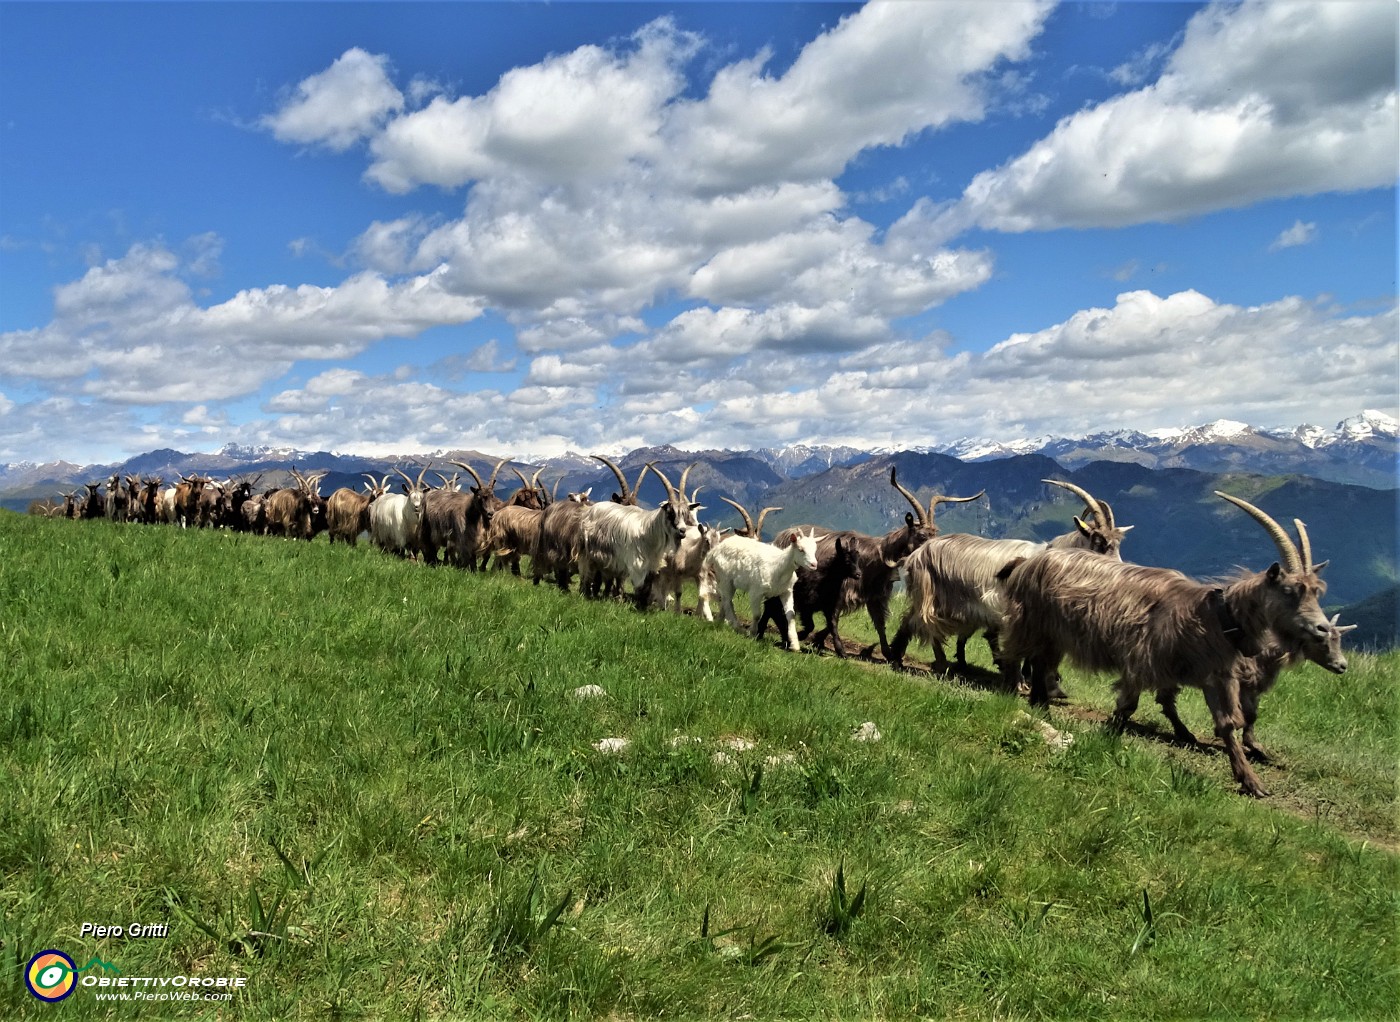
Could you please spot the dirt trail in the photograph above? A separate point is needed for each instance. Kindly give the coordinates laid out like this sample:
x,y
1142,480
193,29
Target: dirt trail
x,y
1290,793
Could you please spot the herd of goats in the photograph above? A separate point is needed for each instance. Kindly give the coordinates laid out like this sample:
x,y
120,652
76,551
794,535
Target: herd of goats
x,y
1037,603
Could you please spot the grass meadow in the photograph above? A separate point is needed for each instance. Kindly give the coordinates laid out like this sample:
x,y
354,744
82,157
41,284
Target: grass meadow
x,y
368,788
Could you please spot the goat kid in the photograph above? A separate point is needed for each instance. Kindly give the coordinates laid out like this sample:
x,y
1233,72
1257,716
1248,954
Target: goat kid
x,y
761,570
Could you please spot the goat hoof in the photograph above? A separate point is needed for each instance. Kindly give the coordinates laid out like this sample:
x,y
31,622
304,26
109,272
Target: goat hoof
x,y
1258,753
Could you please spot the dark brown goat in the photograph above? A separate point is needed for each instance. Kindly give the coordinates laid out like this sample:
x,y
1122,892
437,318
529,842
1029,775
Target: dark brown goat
x,y
458,521
1161,630
560,537
879,558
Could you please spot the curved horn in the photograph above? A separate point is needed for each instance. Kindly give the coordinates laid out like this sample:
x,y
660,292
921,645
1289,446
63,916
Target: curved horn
x,y
918,508
468,468
554,493
684,476
406,479
1096,506
491,483
1304,545
671,494
937,499
1288,553
523,481
535,479
748,521
758,529
621,479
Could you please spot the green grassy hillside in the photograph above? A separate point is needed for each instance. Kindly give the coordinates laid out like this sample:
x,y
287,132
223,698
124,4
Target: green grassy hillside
x,y
370,790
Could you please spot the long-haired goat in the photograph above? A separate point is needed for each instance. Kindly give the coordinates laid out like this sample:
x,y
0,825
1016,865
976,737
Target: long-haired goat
x,y
297,513
763,571
951,581
1161,630
1259,673
460,521
623,541
560,537
879,558
347,510
515,527
393,518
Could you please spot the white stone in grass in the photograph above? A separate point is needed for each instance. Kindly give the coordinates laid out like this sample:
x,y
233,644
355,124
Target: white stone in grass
x,y
867,732
611,746
589,692
1057,740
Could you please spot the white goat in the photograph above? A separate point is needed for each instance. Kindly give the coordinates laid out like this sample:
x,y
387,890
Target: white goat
x,y
760,569
393,518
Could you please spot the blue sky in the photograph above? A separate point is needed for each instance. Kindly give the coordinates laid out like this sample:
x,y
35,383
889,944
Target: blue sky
x,y
528,228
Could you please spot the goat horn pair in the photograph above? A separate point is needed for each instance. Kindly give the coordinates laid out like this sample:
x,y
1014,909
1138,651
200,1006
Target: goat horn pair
x,y
1099,508
1296,561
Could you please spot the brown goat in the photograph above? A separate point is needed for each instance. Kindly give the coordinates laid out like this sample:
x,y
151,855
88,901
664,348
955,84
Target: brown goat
x,y
347,510
1161,630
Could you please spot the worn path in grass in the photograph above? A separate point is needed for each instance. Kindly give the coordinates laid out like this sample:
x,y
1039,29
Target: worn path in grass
x,y
1290,791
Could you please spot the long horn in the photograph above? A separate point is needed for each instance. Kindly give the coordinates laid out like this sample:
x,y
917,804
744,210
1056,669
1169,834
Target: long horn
x,y
523,481
406,479
1304,545
535,479
1096,506
684,476
918,508
554,493
940,499
748,521
491,484
1287,551
670,490
463,465
758,529
621,479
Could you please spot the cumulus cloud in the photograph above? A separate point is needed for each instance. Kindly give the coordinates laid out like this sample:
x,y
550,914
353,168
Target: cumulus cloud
x,y
1259,101
341,105
130,330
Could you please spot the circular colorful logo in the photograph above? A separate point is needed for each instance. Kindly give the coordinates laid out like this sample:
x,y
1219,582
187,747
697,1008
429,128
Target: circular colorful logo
x,y
51,975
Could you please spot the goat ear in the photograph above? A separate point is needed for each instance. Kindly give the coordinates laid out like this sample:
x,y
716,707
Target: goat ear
x,y
697,507
1317,568
1275,572
1083,529
1126,528
909,519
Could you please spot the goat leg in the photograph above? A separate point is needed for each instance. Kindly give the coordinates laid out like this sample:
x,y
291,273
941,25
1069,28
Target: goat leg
x,y
1166,699
1224,709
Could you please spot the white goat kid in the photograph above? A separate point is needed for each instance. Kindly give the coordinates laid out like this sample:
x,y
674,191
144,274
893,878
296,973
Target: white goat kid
x,y
760,569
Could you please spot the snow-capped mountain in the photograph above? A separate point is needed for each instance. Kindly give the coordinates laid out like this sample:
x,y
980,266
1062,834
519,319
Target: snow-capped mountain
x,y
1362,449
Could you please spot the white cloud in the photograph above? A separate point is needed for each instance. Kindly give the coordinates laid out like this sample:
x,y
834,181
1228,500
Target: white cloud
x,y
338,107
1299,234
131,332
1259,101
573,116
